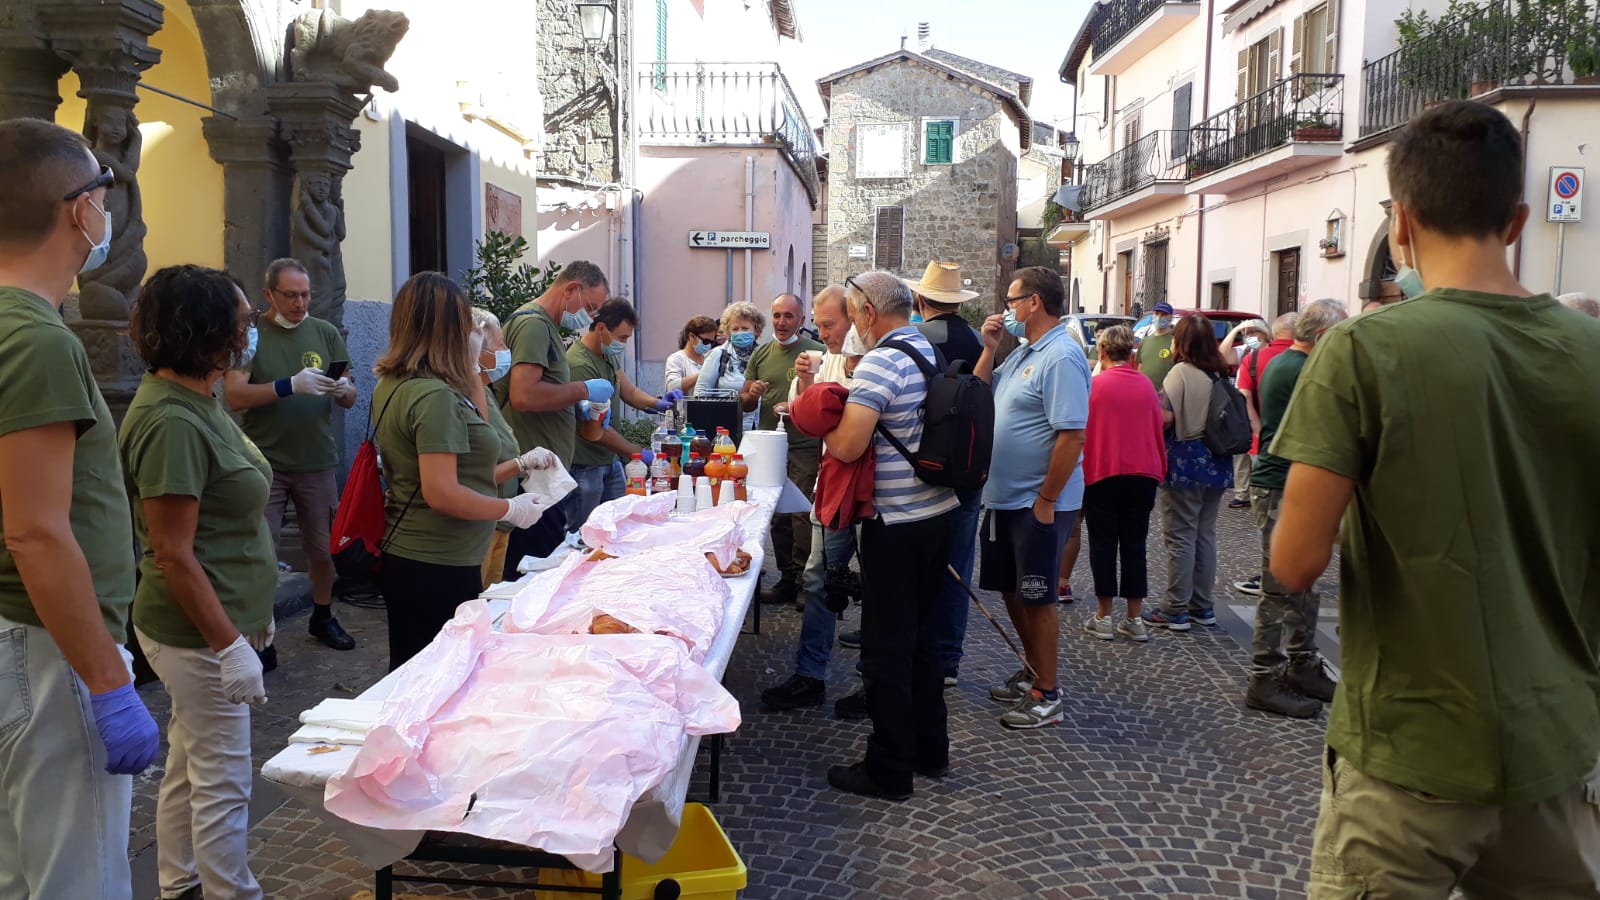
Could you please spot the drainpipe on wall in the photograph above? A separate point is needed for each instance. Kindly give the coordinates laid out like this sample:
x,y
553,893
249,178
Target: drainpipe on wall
x,y
638,300
749,225
1200,219
1516,255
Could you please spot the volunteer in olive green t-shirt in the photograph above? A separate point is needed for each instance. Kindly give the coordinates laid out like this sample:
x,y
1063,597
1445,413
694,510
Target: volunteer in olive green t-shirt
x,y
287,400
597,465
74,728
207,574
1464,740
1154,354
494,361
538,397
767,379
440,455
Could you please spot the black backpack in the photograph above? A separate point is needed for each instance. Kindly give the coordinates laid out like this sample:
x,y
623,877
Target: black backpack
x,y
957,424
1228,431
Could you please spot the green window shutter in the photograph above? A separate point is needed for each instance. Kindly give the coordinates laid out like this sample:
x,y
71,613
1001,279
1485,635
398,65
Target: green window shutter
x,y
939,141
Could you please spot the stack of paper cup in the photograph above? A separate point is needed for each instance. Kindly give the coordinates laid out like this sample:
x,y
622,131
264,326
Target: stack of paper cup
x,y
685,493
725,491
702,494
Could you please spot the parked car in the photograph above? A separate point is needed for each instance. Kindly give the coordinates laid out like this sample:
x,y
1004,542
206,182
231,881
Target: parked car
x,y
1222,320
1088,325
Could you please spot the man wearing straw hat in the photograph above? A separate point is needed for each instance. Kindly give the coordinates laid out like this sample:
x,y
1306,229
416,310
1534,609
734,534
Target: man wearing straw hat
x,y
939,296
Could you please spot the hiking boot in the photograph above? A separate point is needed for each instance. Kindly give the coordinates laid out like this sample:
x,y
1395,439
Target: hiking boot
x,y
268,657
798,691
786,590
1274,694
1101,627
1309,675
1034,711
1169,621
852,706
329,632
851,639
1133,630
1251,586
1015,688
856,780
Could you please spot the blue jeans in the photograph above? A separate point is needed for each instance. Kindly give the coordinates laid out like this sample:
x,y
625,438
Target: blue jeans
x,y
952,609
65,820
596,485
817,623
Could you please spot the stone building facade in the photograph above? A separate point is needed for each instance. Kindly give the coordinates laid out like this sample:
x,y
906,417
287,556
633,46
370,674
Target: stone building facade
x,y
886,119
585,90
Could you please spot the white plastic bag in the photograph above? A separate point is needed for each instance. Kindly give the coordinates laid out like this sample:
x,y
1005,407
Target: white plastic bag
x,y
634,523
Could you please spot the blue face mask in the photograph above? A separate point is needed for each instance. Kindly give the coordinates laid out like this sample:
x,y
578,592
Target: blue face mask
x,y
1016,328
703,348
576,321
1409,281
788,342
249,352
615,349
744,340
916,318
97,252
502,365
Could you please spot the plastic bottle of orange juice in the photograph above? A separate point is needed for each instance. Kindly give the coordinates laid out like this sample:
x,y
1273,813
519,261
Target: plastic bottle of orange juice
x,y
738,471
716,470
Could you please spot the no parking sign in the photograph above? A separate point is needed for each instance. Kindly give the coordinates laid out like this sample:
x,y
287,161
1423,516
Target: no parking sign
x,y
1566,192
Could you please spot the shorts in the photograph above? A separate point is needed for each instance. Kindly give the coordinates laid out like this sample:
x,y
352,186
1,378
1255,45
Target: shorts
x,y
315,496
1020,555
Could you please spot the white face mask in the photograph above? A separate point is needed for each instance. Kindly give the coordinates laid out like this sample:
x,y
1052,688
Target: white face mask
x,y
97,251
287,325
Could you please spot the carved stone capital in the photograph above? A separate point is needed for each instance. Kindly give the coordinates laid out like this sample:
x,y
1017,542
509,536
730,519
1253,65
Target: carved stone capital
x,y
108,44
316,117
244,142
29,71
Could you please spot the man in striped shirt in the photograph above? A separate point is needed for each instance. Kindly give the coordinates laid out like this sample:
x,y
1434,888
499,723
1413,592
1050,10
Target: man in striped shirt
x,y
903,550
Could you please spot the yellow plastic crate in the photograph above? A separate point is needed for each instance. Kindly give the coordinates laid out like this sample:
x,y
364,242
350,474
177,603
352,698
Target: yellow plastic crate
x,y
701,861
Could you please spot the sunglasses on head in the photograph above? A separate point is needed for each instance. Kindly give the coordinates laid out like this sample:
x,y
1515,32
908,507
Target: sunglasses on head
x,y
104,180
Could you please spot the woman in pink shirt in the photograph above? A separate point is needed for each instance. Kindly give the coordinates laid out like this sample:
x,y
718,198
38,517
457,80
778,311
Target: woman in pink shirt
x,y
1124,460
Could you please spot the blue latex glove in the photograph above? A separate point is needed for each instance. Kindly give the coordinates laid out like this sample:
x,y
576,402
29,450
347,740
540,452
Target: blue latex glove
x,y
130,735
669,400
600,390
646,455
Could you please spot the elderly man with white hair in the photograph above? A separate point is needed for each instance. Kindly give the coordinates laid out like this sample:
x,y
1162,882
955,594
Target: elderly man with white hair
x,y
1296,684
904,550
1582,302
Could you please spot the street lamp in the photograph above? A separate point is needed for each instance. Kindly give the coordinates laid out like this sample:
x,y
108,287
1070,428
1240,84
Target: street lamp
x,y
595,20
1069,147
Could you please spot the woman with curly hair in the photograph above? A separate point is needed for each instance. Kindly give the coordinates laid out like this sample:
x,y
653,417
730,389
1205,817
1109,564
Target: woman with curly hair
x,y
207,572
697,339
725,365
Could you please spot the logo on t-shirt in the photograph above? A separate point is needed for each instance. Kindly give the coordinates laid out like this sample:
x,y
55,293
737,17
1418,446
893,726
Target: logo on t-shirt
x,y
1164,352
311,359
1027,372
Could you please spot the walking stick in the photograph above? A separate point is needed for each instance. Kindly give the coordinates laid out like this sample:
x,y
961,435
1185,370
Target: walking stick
x,y
1026,666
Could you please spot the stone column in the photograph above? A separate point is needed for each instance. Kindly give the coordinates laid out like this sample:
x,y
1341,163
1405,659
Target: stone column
x,y
256,183
29,69
108,45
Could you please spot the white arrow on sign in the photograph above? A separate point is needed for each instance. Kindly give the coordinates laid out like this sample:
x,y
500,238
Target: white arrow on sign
x,y
730,240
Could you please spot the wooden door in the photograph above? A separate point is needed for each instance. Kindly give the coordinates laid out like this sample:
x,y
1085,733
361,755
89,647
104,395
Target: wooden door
x,y
1288,280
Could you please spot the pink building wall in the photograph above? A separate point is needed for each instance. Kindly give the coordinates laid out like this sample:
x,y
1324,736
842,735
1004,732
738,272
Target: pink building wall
x,y
703,188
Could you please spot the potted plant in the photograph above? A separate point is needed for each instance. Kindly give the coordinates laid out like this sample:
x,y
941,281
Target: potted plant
x,y
1583,56
1316,128
499,281
1330,248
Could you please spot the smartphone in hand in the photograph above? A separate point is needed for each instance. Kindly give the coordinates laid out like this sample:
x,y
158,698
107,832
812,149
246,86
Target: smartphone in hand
x,y
336,369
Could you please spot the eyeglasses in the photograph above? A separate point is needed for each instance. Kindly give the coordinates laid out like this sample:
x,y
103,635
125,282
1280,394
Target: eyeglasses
x,y
104,180
292,295
1013,300
850,283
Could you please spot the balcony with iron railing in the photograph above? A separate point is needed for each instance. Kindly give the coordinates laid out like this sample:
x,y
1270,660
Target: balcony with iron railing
x,y
1474,50
1293,124
1141,174
1125,31
735,104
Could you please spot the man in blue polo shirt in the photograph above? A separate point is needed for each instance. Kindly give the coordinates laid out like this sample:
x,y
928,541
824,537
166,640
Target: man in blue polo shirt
x,y
1035,489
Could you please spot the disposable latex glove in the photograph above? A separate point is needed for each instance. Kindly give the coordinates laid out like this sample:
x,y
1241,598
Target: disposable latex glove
x,y
344,388
600,390
262,639
669,400
241,673
310,382
537,458
524,510
125,726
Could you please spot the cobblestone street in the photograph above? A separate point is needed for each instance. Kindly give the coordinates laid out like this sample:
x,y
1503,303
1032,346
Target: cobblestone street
x,y
1158,784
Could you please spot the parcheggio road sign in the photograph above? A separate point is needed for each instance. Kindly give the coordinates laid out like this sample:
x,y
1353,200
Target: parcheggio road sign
x,y
1565,202
730,240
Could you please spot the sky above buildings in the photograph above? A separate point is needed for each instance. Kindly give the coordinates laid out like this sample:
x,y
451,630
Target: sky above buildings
x,y
1025,36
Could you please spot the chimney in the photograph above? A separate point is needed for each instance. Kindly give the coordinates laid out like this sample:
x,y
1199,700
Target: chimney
x,y
924,37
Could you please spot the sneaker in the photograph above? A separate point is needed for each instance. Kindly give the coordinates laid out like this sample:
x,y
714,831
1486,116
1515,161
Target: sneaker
x,y
798,691
1237,503
1169,621
1064,594
1133,630
1034,711
951,679
1015,688
852,706
1251,586
1309,675
268,657
1273,693
329,632
1207,618
1100,627
855,780
851,639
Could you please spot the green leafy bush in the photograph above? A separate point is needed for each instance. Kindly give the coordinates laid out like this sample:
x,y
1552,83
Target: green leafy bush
x,y
500,282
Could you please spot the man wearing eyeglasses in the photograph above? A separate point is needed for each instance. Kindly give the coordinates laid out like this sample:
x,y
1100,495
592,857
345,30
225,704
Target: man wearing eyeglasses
x,y
287,398
72,726
1041,402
